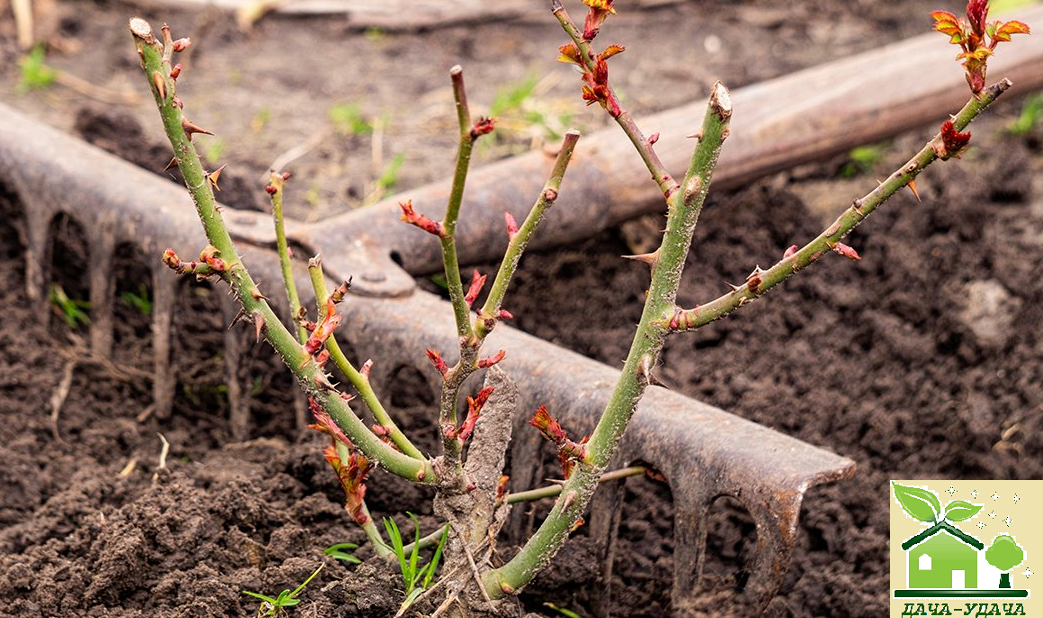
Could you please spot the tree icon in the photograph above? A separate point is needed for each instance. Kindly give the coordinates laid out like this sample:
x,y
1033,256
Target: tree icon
x,y
1004,554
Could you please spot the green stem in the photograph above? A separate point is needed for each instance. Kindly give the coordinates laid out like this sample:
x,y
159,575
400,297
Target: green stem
x,y
684,208
452,211
489,313
762,281
551,491
310,377
278,183
655,166
359,381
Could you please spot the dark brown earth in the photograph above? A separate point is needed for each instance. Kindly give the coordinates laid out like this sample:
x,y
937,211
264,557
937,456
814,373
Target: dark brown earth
x,y
878,360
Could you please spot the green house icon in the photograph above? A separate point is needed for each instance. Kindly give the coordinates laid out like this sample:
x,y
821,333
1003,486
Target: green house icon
x,y
943,556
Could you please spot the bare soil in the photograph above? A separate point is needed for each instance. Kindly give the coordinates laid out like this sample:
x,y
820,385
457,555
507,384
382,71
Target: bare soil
x,y
922,360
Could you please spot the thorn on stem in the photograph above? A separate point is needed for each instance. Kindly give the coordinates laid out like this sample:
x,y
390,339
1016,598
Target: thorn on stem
x,y
648,258
258,325
214,176
191,128
505,315
160,84
916,194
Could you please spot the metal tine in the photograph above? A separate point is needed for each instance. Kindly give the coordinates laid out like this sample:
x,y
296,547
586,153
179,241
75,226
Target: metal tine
x,y
238,406
164,383
37,259
606,513
102,247
692,499
777,518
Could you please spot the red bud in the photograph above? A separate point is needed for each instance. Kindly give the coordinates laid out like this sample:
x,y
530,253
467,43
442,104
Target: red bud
x,y
512,225
477,282
492,360
436,360
790,251
421,221
846,251
483,126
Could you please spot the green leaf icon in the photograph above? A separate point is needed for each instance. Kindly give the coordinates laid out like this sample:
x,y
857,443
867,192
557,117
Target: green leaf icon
x,y
920,503
959,510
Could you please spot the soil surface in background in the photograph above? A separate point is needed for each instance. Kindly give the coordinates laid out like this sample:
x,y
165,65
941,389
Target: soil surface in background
x,y
923,360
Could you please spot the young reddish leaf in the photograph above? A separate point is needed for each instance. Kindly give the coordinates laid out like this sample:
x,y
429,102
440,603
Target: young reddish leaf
x,y
570,53
325,423
596,16
474,411
610,51
436,360
323,329
547,425
1004,30
477,281
568,450
946,22
421,221
977,13
485,363
953,142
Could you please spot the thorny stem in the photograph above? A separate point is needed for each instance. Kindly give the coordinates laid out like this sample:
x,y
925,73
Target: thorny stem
x,y
683,214
277,184
452,211
760,281
155,60
551,491
359,381
489,313
659,172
